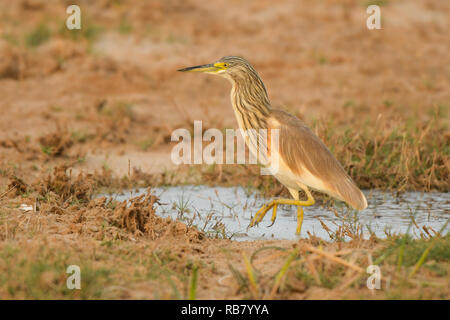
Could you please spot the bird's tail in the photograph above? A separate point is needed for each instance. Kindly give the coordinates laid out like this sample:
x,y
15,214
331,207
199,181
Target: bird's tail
x,y
346,190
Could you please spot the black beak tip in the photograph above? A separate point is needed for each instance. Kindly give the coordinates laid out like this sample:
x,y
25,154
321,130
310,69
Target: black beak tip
x,y
196,68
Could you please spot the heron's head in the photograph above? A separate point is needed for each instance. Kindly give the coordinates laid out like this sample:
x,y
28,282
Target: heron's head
x,y
230,67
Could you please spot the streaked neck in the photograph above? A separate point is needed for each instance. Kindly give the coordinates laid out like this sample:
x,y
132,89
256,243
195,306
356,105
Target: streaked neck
x,y
250,101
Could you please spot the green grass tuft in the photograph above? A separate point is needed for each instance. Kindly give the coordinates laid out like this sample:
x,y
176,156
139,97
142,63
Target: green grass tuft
x,y
38,36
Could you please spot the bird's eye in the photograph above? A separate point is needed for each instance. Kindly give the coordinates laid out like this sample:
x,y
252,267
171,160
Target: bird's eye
x,y
225,64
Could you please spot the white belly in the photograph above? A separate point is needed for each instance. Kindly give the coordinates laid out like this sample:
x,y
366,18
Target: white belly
x,y
295,181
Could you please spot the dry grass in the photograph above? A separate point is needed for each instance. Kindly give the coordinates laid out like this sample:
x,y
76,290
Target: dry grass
x,y
125,250
75,101
329,271
407,155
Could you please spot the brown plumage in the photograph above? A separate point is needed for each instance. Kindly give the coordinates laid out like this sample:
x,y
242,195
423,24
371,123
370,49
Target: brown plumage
x,y
304,161
302,150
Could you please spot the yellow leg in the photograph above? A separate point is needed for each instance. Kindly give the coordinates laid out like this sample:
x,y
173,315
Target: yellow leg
x,y
274,203
299,220
274,215
261,213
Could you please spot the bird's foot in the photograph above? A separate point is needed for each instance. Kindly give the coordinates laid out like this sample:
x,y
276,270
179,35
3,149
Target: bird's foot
x,y
274,215
260,214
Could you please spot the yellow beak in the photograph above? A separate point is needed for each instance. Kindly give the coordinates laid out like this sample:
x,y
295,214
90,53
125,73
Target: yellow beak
x,y
209,68
203,68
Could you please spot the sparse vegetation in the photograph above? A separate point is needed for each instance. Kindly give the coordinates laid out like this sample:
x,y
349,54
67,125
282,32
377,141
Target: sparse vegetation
x,y
38,36
134,250
91,111
410,155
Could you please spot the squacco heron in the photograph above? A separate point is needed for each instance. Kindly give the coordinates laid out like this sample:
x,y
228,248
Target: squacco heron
x,y
304,162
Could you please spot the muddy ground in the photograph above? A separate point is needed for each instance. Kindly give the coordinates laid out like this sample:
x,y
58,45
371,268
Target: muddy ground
x,y
89,111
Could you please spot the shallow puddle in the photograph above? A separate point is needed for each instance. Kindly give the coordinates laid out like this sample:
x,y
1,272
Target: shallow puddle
x,y
214,209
